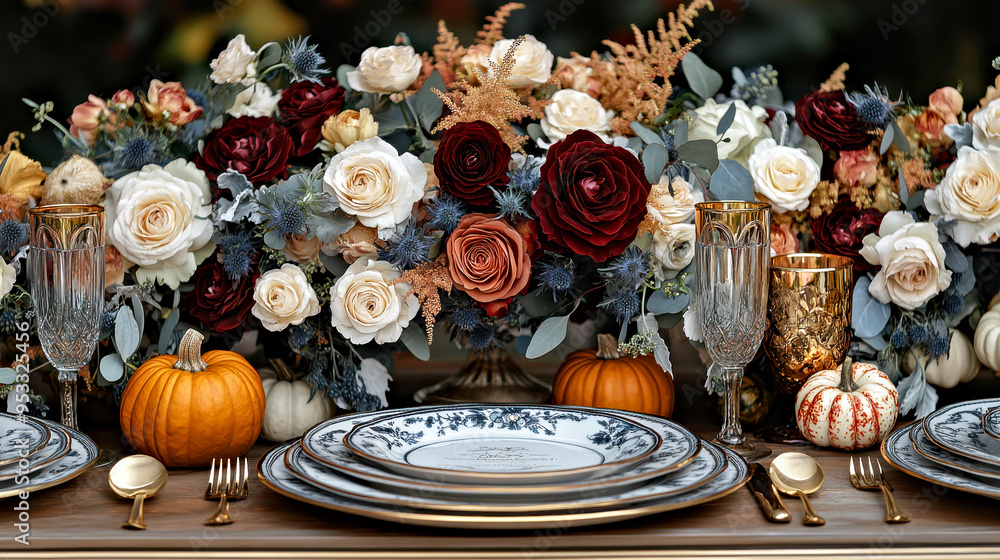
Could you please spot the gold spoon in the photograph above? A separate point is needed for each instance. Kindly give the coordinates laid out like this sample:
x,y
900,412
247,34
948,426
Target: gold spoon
x,y
798,474
136,477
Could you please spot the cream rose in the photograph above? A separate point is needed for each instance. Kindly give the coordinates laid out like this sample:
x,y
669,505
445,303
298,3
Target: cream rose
x,y
571,110
385,70
474,62
673,249
235,64
7,277
256,101
158,218
366,306
372,181
667,210
912,261
532,61
970,195
747,129
347,127
785,176
282,297
986,127
357,242
576,73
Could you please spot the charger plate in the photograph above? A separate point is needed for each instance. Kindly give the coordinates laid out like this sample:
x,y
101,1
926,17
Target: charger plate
x,y
20,437
324,443
56,448
82,455
898,451
273,473
959,429
503,444
991,423
941,456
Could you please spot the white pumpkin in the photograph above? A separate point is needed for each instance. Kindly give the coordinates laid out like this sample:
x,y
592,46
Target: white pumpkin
x,y
289,411
852,408
987,338
960,365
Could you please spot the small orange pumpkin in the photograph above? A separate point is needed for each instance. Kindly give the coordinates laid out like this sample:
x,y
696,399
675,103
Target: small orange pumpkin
x,y
603,378
185,409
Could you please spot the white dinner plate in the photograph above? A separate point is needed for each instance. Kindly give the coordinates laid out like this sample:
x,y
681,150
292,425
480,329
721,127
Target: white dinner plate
x,y
898,451
991,423
941,456
959,429
20,436
82,454
56,448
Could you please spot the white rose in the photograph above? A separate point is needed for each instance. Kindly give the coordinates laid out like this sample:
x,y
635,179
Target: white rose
x,y
912,261
372,181
256,101
665,209
532,61
366,306
158,218
673,249
385,70
282,297
7,277
785,176
571,110
748,127
969,194
986,127
235,64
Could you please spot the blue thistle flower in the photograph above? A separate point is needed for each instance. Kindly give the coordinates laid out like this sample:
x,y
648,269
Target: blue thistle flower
x,y
466,318
874,107
133,149
299,336
939,347
624,304
483,336
759,82
408,249
558,276
237,250
107,321
953,305
13,235
304,61
918,334
287,219
137,152
629,269
8,322
444,213
510,203
898,338
527,175
199,97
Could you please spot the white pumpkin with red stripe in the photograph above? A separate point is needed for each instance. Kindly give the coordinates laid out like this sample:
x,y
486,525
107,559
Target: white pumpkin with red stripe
x,y
852,408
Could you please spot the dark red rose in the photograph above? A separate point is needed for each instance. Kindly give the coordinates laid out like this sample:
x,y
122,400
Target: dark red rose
x,y
592,196
842,229
829,118
305,106
216,301
256,147
470,158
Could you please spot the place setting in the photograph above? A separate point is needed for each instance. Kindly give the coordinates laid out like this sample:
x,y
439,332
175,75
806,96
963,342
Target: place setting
x,y
37,453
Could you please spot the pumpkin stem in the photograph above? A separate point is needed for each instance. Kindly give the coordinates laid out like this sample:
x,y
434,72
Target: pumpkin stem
x,y
189,353
607,347
281,369
847,384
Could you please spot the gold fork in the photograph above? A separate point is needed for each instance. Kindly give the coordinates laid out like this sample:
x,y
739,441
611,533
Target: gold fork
x,y
229,489
870,481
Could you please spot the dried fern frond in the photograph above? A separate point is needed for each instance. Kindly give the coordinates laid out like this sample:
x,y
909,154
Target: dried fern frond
x,y
836,80
448,53
425,282
492,30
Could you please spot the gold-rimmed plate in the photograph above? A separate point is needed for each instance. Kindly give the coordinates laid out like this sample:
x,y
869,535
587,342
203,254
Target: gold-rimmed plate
x,y
56,448
273,473
82,455
898,451
924,446
20,436
991,423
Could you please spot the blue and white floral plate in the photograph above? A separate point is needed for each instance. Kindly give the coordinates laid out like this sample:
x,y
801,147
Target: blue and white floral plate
x,y
324,443
20,436
991,423
959,429
275,475
82,455
898,451
56,448
503,444
941,456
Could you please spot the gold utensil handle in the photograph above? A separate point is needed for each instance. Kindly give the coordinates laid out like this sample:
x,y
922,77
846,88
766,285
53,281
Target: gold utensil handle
x,y
811,518
221,516
135,517
892,512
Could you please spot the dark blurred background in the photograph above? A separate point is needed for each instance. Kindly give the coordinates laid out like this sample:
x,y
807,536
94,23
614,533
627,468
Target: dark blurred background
x,y
62,50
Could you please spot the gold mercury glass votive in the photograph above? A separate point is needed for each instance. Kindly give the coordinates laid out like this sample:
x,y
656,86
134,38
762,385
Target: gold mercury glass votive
x,y
808,315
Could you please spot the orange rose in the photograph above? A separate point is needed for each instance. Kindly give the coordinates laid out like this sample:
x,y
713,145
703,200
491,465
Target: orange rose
x,y
857,168
783,241
947,101
169,102
123,99
488,259
86,119
930,125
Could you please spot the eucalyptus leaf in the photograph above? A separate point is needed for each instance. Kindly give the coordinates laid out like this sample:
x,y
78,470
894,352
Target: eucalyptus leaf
x,y
886,140
878,343
7,376
899,139
342,71
654,159
273,240
635,144
521,344
732,181
703,153
167,331
916,200
390,119
538,304
335,265
703,80
126,332
415,340
140,314
660,304
268,55
726,121
535,131
680,133
647,134
547,336
967,282
904,191
426,104
112,368
870,316
326,226
954,258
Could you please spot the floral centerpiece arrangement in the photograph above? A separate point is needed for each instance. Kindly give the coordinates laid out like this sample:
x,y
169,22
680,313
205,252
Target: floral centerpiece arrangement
x,y
504,193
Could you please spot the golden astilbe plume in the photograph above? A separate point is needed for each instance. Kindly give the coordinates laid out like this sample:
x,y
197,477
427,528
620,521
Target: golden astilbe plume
x,y
636,82
492,101
836,80
492,30
425,281
448,53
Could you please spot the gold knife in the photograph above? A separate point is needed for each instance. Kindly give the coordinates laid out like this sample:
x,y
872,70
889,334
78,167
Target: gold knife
x,y
770,503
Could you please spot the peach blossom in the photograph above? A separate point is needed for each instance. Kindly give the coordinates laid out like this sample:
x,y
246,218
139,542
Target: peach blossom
x,y
857,168
86,119
123,99
947,101
930,125
169,102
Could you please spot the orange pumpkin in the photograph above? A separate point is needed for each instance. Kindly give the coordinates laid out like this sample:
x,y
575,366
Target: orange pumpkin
x,y
183,410
603,378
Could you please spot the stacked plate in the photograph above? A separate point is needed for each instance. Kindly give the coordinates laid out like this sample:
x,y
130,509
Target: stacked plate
x,y
957,446
501,466
37,454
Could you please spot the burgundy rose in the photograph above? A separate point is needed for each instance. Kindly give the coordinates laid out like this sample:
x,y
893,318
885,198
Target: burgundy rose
x,y
305,106
470,158
841,231
256,147
216,301
592,196
830,118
